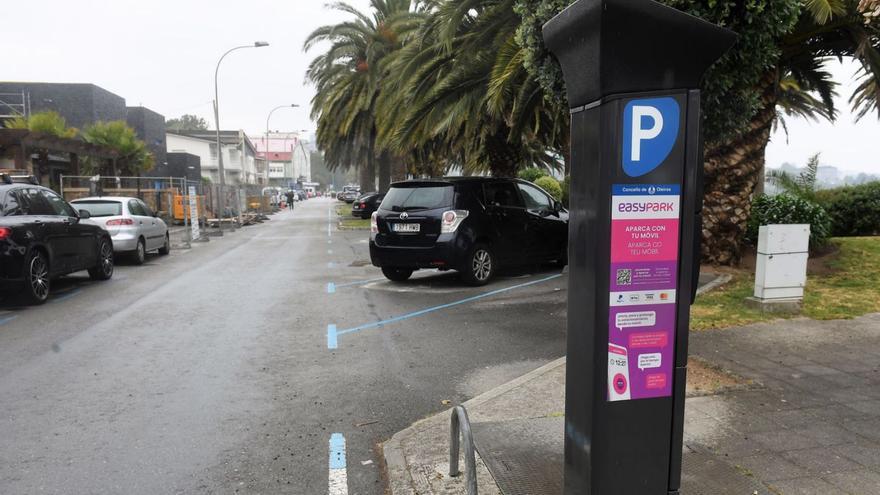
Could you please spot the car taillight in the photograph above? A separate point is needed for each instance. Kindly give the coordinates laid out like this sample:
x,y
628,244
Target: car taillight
x,y
5,232
374,224
363,205
451,220
120,221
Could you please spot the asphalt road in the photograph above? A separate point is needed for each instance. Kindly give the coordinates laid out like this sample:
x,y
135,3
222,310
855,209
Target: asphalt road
x,y
211,370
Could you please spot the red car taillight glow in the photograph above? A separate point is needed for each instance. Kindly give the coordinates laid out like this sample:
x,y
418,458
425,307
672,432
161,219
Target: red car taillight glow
x,y
120,221
5,232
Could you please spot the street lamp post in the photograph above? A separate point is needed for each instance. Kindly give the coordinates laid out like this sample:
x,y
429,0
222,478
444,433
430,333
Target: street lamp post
x,y
220,170
303,150
292,105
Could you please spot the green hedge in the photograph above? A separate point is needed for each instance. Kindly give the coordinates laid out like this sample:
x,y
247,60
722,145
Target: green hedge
x,y
550,185
785,208
854,210
532,174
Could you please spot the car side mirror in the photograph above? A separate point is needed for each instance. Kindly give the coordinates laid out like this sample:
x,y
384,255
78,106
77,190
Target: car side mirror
x,y
84,214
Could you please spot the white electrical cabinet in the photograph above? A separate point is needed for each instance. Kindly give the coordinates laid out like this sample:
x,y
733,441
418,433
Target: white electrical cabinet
x,y
781,270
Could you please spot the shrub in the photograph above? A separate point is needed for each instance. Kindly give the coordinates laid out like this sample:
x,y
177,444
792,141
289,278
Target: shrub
x,y
550,185
532,174
784,208
854,210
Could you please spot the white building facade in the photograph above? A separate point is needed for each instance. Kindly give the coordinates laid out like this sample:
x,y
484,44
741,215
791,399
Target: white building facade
x,y
239,154
288,157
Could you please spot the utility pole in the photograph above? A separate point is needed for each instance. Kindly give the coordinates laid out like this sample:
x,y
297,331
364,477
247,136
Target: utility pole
x,y
220,170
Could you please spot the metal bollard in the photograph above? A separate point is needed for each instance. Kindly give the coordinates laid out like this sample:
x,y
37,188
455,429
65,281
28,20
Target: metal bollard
x,y
461,422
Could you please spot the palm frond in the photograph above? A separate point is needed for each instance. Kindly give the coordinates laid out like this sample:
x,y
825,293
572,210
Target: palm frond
x,y
823,10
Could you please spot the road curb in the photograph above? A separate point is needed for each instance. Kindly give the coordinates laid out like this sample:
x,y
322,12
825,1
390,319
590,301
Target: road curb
x,y
720,280
400,478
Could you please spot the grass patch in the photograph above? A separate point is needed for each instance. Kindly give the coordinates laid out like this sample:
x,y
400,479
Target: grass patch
x,y
849,288
346,221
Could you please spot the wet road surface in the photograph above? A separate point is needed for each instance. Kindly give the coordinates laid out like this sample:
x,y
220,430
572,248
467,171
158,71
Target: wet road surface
x,y
209,370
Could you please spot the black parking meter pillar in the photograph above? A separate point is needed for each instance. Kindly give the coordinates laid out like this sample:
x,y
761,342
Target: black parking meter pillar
x,y
632,70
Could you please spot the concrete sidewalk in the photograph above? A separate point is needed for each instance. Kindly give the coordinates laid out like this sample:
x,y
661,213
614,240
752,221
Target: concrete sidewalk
x,y
810,424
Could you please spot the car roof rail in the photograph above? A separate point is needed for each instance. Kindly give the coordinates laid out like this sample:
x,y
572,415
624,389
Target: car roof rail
x,y
21,179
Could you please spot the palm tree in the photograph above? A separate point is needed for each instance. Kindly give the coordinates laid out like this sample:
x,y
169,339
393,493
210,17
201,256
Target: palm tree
x,y
798,86
47,122
459,87
349,78
802,185
133,157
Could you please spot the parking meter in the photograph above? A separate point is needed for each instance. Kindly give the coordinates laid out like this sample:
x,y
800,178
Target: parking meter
x,y
632,70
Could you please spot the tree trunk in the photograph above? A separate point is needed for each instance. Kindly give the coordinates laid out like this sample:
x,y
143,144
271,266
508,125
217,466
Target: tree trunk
x,y
398,169
503,159
732,170
367,176
384,171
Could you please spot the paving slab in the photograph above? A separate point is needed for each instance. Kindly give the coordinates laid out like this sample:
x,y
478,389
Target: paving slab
x,y
810,424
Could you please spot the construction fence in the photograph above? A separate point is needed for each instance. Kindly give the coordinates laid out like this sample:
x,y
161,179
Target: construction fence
x,y
169,197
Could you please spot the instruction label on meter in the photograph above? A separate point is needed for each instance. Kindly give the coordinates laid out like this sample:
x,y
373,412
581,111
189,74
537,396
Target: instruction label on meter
x,y
644,265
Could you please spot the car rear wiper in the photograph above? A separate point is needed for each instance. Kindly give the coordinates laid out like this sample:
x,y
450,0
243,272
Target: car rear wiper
x,y
414,208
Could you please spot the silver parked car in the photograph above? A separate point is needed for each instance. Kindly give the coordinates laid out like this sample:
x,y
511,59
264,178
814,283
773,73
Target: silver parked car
x,y
132,225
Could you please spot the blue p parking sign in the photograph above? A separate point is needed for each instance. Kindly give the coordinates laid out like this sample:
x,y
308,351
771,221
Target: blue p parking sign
x,y
650,129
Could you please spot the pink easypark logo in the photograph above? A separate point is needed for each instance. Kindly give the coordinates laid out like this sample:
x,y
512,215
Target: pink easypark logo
x,y
639,207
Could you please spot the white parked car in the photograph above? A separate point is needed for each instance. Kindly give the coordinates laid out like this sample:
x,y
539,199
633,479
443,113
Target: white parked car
x,y
133,226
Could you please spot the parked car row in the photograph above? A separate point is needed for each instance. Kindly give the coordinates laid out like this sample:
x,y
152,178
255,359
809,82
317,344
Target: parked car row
x,y
43,237
470,224
134,228
349,194
366,204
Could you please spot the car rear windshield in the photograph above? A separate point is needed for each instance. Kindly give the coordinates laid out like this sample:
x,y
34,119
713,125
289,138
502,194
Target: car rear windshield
x,y
417,198
100,208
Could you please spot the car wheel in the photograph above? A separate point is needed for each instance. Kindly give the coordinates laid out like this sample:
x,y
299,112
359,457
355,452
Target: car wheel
x,y
140,254
104,269
37,278
397,274
480,265
166,248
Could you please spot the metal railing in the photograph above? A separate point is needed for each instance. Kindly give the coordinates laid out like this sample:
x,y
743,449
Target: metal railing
x,y
461,426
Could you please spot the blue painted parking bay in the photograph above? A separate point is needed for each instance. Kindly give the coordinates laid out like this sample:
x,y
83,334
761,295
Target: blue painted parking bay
x,y
333,333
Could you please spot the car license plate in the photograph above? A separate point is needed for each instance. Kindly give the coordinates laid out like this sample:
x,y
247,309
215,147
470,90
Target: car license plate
x,y
406,227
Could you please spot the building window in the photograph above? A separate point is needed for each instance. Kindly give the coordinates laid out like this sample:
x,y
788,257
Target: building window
x,y
213,147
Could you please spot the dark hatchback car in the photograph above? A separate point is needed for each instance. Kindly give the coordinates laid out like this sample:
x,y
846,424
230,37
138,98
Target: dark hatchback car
x,y
366,204
42,237
469,224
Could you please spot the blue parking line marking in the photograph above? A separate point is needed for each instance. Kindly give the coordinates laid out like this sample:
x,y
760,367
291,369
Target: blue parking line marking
x,y
6,319
66,295
337,333
360,282
331,287
331,336
337,451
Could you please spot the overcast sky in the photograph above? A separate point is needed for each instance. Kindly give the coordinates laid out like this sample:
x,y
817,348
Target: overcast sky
x,y
162,53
